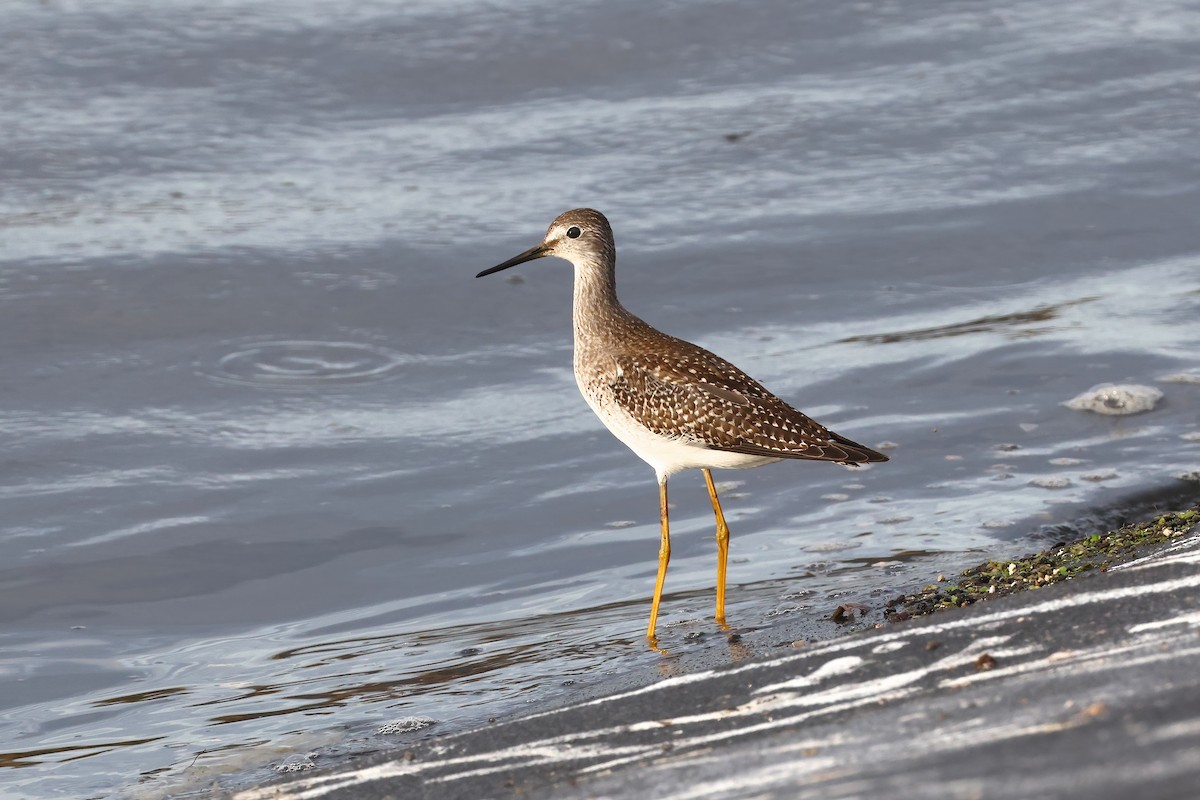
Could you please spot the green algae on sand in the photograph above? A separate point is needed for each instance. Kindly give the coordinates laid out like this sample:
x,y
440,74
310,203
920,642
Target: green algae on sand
x,y
1062,562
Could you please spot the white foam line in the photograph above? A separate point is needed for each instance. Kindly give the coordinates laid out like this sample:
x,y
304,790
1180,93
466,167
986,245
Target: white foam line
x,y
680,680
667,683
994,734
1164,556
556,755
1190,618
1150,562
762,778
1176,730
842,665
556,749
795,719
770,724
967,654
1055,660
711,756
1098,660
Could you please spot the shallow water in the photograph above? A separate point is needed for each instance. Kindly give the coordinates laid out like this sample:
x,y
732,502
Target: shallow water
x,y
277,470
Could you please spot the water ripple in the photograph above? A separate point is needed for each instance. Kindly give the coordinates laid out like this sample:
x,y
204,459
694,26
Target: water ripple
x,y
301,364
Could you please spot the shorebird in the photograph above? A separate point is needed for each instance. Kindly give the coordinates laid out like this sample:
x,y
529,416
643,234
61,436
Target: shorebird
x,y
674,404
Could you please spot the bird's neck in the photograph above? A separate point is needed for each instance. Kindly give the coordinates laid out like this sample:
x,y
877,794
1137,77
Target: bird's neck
x,y
597,312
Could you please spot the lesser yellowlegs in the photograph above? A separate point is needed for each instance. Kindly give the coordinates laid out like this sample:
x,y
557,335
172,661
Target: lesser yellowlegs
x,y
676,405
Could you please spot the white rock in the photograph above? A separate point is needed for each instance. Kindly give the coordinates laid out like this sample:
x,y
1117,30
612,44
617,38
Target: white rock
x,y
1116,400
1051,482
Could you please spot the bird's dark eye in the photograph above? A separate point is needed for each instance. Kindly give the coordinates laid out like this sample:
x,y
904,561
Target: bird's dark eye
x,y
574,232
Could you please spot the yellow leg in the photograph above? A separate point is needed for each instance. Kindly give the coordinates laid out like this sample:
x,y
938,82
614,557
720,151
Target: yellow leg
x,y
664,556
722,545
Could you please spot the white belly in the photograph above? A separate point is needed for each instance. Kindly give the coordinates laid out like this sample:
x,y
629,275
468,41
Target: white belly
x,y
666,456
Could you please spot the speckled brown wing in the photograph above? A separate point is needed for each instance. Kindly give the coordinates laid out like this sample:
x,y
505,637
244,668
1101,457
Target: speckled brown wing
x,y
686,392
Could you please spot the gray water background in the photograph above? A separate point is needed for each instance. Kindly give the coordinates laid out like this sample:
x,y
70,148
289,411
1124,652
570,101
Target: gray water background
x,y
276,470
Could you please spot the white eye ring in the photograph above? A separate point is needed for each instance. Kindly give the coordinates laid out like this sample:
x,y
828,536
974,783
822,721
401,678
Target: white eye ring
x,y
574,232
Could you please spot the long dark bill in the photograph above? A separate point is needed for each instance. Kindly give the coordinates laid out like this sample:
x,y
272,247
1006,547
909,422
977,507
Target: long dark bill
x,y
528,255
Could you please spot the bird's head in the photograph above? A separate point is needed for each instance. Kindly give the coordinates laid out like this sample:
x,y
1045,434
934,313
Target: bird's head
x,y
581,236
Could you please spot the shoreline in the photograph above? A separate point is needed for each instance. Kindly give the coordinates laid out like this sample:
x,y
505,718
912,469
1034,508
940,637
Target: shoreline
x,y
1047,609
1060,562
